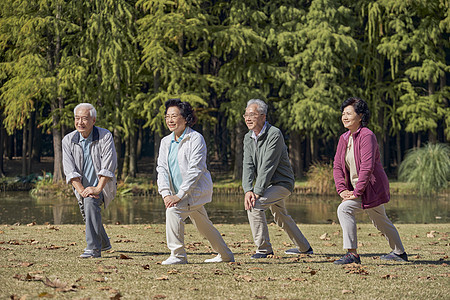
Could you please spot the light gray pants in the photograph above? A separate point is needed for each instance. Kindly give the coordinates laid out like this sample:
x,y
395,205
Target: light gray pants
x,y
273,198
96,236
175,217
346,213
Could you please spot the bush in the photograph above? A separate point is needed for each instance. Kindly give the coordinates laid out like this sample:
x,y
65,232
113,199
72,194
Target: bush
x,y
428,167
320,177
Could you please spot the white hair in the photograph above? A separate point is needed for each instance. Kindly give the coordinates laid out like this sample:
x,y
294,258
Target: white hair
x,y
92,111
262,106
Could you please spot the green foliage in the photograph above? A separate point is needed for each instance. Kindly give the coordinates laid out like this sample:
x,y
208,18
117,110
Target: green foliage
x,y
320,177
428,167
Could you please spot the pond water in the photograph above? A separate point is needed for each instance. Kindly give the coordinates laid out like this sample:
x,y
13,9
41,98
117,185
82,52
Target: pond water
x,y
20,207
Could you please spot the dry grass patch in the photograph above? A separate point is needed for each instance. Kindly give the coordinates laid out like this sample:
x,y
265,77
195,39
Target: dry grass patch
x,y
42,261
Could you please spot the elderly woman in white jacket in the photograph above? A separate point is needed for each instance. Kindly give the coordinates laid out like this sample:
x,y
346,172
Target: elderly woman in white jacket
x,y
185,184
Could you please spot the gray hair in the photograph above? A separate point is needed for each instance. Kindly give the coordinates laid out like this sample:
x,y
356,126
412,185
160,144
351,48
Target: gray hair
x,y
92,111
262,106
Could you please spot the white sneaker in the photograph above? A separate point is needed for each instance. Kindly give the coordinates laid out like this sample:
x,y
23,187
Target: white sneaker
x,y
219,259
296,251
173,260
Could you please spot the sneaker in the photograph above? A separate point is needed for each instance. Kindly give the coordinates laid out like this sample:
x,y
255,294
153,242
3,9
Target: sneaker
x,y
296,251
348,258
395,257
260,255
106,248
219,259
173,260
91,254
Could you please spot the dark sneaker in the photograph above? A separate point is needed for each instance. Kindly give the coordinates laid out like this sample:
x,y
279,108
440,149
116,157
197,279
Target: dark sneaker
x,y
395,257
348,258
260,255
106,248
296,251
91,254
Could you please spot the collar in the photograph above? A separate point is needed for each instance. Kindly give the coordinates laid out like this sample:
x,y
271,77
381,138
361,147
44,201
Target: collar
x,y
88,139
172,139
347,134
263,130
94,134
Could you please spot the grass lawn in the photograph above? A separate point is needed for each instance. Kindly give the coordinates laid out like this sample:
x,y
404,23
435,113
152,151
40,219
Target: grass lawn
x,y
41,261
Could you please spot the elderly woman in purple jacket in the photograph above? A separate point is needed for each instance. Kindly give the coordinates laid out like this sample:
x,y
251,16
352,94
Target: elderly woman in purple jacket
x,y
361,182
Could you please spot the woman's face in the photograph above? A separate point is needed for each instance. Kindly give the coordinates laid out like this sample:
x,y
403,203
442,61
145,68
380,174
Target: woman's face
x,y
351,119
175,121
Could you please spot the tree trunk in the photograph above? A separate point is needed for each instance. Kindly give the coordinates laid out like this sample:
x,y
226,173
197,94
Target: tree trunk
x,y
399,150
238,151
118,146
24,149
2,146
156,151
295,154
140,141
308,153
37,145
57,150
126,159
30,140
56,107
133,156
432,134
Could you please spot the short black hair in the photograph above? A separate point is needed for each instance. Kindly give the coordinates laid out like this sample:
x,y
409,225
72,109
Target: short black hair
x,y
186,110
360,107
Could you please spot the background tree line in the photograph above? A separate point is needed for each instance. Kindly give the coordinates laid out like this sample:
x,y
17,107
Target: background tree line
x,y
303,57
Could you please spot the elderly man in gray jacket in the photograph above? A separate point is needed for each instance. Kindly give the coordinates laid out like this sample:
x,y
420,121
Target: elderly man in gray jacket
x,y
267,180
89,161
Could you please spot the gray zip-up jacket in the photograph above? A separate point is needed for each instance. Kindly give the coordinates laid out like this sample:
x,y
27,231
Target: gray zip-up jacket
x,y
266,162
103,155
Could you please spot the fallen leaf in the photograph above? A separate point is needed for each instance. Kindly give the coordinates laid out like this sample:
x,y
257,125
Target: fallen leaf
x,y
26,264
430,235
218,272
173,271
270,279
100,279
323,236
146,267
355,268
389,276
245,278
58,285
43,295
312,272
297,279
347,292
255,268
443,258
116,297
164,277
159,297
123,256
31,224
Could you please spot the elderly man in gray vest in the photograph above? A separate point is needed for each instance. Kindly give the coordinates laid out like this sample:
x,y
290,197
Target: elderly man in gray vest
x,y
89,161
268,180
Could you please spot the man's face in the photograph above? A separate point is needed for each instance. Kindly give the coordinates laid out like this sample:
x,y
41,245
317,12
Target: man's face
x,y
84,123
254,119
